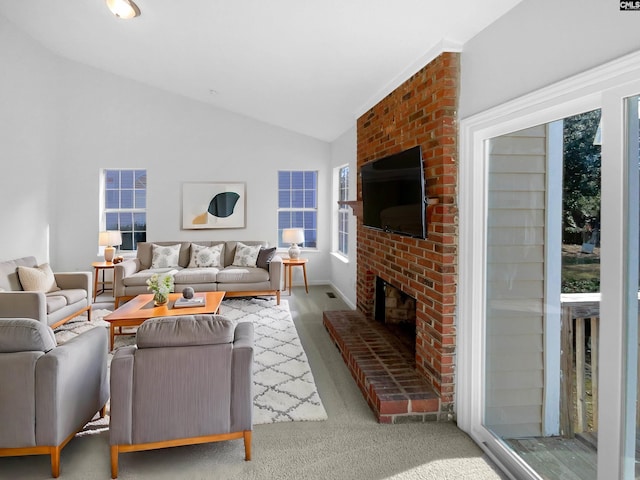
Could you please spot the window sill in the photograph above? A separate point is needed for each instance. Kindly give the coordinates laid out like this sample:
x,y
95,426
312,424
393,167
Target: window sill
x,y
340,257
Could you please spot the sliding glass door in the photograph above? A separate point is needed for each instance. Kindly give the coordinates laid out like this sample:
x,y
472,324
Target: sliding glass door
x,y
548,317
542,295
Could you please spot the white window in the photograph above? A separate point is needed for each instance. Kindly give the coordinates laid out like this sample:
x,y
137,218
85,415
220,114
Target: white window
x,y
298,205
124,201
342,224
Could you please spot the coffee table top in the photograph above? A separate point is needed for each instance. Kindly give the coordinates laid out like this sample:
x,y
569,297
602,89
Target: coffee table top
x,y
142,308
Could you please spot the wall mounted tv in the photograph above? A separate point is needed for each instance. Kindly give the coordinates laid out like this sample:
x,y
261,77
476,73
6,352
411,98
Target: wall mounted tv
x,y
393,194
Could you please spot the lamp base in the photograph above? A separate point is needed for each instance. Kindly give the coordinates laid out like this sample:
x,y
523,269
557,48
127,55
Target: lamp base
x,y
109,253
294,251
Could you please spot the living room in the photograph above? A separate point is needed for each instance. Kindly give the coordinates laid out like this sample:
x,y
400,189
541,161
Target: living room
x,y
63,121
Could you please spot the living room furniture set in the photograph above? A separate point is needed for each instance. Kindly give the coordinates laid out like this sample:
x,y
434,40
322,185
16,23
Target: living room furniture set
x,y
49,392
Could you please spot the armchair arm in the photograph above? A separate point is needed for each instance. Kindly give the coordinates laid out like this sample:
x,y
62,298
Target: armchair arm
x,y
71,386
121,409
24,305
71,280
275,272
120,272
242,378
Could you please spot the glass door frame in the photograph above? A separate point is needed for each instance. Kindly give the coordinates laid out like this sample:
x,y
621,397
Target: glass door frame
x,y
605,87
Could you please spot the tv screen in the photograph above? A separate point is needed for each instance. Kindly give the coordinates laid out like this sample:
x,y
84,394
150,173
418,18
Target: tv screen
x,y
393,194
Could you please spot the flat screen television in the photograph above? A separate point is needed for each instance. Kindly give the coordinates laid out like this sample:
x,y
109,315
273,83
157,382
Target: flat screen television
x,y
393,194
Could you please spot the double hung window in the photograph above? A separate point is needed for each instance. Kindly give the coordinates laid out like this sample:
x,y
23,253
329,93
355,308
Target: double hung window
x,y
298,204
342,246
124,203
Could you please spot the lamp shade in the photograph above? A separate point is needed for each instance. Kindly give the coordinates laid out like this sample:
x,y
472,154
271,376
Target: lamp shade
x,y
293,235
110,238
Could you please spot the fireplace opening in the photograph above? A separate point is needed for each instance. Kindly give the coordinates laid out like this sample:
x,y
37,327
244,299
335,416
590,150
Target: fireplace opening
x,y
397,312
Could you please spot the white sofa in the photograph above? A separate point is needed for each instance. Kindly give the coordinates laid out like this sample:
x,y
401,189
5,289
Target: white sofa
x,y
130,277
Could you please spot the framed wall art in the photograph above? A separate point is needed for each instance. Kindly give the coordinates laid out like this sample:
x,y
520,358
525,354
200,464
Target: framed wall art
x,y
213,205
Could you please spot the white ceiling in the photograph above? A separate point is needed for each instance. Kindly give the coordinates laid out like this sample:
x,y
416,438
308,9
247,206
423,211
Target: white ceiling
x,y
311,66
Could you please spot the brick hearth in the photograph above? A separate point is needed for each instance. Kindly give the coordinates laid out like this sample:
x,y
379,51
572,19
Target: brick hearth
x,y
383,367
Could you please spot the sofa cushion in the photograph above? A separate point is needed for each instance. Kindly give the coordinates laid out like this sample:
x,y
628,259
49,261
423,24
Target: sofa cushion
x,y
203,256
55,303
140,278
264,257
230,249
72,295
165,256
145,253
37,279
191,276
246,255
185,330
25,335
234,274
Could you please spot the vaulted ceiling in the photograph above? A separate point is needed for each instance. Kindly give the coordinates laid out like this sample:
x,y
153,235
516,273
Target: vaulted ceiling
x,y
310,66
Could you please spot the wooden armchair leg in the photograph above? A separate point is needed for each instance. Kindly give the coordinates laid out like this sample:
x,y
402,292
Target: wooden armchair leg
x,y
247,445
114,461
103,411
55,461
278,297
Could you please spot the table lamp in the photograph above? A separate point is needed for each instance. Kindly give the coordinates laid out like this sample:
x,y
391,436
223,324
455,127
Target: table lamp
x,y
293,236
109,240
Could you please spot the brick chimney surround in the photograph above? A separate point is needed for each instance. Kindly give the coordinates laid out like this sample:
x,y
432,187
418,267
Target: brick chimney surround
x,y
422,111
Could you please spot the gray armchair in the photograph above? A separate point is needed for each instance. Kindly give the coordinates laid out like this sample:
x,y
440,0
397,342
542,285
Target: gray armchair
x,y
189,380
48,392
53,308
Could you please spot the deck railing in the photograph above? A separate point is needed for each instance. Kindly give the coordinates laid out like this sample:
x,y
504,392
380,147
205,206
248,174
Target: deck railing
x,y
579,363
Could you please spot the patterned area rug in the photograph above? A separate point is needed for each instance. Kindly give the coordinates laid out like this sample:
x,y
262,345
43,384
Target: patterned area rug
x,y
284,388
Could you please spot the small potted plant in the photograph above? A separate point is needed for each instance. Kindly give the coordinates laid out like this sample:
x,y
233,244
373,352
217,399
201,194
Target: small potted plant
x,y
161,285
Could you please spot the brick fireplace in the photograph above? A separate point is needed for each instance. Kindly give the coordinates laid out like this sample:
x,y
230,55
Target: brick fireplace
x,y
397,311
422,111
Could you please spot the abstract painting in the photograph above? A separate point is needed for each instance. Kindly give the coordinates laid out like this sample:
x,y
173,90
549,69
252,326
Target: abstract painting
x,y
213,205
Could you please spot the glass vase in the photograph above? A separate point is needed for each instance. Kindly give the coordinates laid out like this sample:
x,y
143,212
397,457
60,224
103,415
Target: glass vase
x,y
160,299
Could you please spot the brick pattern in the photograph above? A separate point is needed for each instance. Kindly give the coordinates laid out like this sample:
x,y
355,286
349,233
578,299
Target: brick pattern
x,y
383,368
422,111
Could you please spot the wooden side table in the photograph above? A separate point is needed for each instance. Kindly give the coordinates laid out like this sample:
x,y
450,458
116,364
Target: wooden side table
x,y
289,263
97,268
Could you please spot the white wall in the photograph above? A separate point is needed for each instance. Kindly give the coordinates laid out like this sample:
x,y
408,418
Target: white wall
x,y
343,274
65,121
540,42
111,122
28,133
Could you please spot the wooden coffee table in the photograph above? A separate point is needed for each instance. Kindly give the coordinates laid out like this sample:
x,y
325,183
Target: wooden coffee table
x,y
141,308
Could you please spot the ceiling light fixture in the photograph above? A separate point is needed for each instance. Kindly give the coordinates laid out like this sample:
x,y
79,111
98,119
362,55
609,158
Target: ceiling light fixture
x,y
123,8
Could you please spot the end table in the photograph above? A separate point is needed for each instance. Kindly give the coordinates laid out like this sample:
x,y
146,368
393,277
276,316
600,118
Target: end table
x,y
97,268
289,263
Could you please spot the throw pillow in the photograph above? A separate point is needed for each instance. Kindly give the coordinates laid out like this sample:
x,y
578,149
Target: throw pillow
x,y
264,257
202,256
165,256
246,255
37,279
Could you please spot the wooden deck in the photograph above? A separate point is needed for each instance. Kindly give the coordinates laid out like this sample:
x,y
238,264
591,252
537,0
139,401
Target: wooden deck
x,y
556,458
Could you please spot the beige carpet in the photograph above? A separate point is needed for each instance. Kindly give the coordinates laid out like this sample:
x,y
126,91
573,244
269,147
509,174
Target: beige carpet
x,y
349,445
